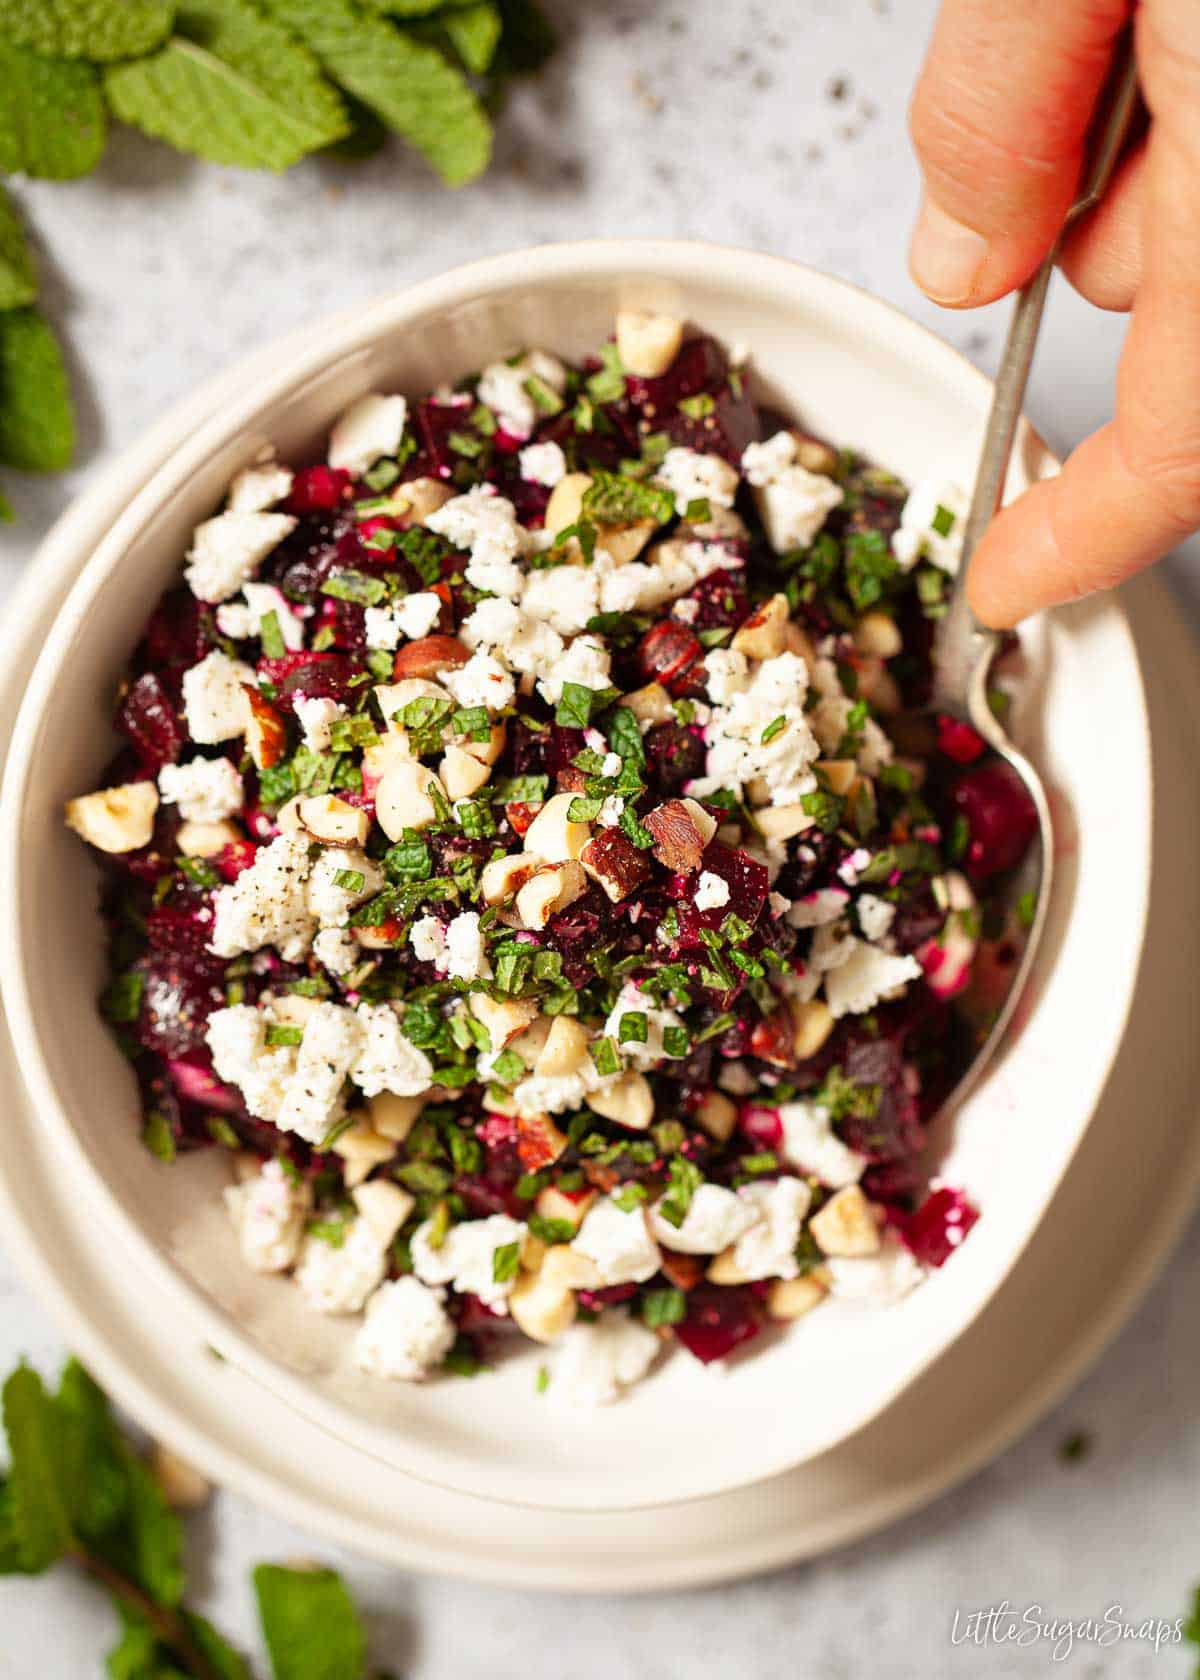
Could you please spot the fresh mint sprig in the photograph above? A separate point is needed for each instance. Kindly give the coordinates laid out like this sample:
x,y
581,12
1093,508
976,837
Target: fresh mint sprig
x,y
76,1491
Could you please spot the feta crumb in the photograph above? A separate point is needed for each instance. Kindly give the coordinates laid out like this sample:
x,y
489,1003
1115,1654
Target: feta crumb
x,y
867,977
427,937
369,429
600,1359
502,388
241,1057
406,1332
213,703
389,1061
382,629
412,617
482,681
933,523
711,892
337,950
693,477
268,1213
586,662
619,1243
610,813
316,718
768,1247
810,1144
339,1280
227,551
793,503
206,790
466,957
466,1257
315,1100
259,486
749,707
818,908
564,597
632,1001
267,904
715,1218
330,900
612,765
875,915
485,526
242,619
875,1280
543,463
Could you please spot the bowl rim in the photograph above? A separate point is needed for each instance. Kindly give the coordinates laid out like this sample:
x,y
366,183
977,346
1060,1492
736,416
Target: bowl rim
x,y
324,344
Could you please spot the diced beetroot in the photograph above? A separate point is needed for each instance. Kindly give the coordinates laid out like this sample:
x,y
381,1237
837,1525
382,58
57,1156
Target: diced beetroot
x,y
559,746
747,881
940,1225
233,858
718,1320
675,755
177,998
319,489
958,740
701,367
486,1194
1001,818
196,1082
345,620
497,1131
150,721
182,929
318,676
762,1125
179,633
433,422
595,1299
722,601
474,1317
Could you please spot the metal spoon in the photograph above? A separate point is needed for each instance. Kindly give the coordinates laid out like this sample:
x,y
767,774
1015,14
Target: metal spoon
x,y
964,648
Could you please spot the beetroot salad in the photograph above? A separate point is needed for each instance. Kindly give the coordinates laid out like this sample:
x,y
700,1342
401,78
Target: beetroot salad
x,y
530,859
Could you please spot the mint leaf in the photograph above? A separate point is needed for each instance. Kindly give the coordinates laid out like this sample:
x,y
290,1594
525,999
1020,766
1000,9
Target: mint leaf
x,y
474,33
52,119
18,280
95,29
149,1544
37,1516
227,1662
37,427
412,87
92,1456
310,1624
232,87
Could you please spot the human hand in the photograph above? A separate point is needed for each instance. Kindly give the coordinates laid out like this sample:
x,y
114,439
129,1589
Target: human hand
x,y
1000,119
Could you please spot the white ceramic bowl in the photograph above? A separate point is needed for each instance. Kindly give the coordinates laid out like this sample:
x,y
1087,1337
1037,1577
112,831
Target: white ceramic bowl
x,y
863,375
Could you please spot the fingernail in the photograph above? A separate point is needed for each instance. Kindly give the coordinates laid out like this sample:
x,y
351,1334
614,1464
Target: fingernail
x,y
946,257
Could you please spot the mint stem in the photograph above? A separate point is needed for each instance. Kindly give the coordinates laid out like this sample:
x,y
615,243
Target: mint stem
x,y
168,1626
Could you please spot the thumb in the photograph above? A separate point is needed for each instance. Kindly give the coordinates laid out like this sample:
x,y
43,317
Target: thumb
x,y
999,120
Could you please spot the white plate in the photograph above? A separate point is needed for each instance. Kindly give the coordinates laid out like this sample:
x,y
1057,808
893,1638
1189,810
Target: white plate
x,y
1078,1280
859,373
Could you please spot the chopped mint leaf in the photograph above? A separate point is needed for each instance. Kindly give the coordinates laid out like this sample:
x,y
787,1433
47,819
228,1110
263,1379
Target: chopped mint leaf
x,y
609,384
52,120
1027,909
584,810
943,521
157,1135
825,809
632,1028
634,829
774,728
676,1041
232,87
663,1306
271,636
544,397
508,1067
697,407
355,586
464,444
870,566
605,1056
625,736
506,1262
543,1379
684,1179
574,710
350,880
611,499
629,1196
122,1000
699,511
282,1032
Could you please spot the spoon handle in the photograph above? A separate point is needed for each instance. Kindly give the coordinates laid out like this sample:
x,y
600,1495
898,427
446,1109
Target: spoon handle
x,y
963,644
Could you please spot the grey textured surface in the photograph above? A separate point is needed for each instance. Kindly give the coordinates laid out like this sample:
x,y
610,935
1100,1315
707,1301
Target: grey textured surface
x,y
779,127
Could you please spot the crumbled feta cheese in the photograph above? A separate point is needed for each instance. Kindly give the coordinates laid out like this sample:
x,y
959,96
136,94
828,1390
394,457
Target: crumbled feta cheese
x,y
810,1144
778,904
502,388
543,463
268,1213
389,1061
494,623
564,597
482,681
542,1093
413,617
867,977
715,1218
749,709
466,1256
241,1057
206,790
852,867
330,899
370,428
213,703
619,1243
382,628
316,718
712,891
466,956
267,904
243,619
693,477
832,945
336,949
586,661
687,612
427,937
315,1100
631,1001
227,551
829,721
600,1359
818,908
612,764
339,1280
793,503
875,1280
933,523
406,1332
675,567
610,813
259,486
875,915
485,526
768,1247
